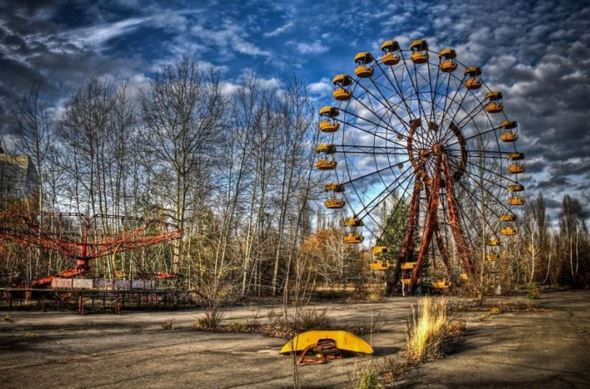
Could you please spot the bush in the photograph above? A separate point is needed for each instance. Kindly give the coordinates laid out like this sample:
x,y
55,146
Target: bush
x,y
367,377
430,330
210,321
534,291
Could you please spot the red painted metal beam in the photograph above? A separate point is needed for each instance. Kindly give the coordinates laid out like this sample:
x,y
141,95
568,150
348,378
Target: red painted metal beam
x,y
454,221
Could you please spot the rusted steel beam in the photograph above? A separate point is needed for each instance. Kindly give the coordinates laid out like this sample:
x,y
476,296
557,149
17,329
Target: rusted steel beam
x,y
408,242
428,225
454,221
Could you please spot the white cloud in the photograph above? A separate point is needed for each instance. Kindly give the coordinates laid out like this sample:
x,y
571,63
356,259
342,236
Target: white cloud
x,y
322,87
311,48
229,37
278,31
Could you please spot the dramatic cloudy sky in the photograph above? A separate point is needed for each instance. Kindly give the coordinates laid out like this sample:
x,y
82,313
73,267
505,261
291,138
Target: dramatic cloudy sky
x,y
536,52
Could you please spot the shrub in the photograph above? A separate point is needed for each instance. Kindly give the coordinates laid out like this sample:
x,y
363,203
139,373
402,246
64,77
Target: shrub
x,y
210,321
430,329
534,291
168,325
367,377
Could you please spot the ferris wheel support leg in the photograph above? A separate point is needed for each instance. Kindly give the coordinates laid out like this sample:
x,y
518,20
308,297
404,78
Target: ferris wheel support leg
x,y
429,226
408,242
454,221
444,253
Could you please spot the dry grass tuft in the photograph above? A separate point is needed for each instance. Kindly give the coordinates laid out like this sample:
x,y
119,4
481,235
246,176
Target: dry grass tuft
x,y
366,376
211,320
431,330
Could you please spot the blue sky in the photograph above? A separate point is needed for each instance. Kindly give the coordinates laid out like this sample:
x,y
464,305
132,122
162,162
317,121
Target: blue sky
x,y
536,52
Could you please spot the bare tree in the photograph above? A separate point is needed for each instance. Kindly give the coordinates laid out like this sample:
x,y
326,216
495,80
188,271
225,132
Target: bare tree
x,y
182,112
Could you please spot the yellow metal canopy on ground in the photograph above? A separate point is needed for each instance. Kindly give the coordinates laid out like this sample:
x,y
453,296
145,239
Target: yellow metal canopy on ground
x,y
345,341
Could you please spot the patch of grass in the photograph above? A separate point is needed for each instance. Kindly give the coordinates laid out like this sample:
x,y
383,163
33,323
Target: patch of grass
x,y
366,376
496,310
168,325
534,292
30,335
431,330
211,320
7,318
392,369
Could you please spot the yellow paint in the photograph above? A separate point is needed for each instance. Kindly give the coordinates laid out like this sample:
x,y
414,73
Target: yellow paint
x,y
345,341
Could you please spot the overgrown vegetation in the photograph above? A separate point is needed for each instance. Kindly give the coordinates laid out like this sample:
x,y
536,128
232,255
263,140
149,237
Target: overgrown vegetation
x,y
431,330
366,376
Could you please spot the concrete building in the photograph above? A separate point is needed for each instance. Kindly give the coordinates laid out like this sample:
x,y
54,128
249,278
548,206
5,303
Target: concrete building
x,y
18,177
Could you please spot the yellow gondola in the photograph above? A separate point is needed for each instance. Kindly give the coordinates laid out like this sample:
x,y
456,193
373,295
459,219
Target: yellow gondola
x,y
447,60
334,203
328,126
508,231
379,250
515,188
378,265
353,238
342,94
326,164
493,242
333,187
515,200
408,265
508,124
515,168
353,222
514,156
325,148
493,257
441,284
508,136
507,217
472,74
342,80
390,49
329,111
363,59
419,49
406,281
464,277
495,102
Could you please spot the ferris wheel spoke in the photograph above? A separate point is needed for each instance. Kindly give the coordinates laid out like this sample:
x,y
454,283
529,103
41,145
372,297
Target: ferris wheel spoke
x,y
368,152
456,110
387,189
492,171
484,178
392,110
468,227
393,214
397,90
385,106
444,107
398,145
474,200
479,134
376,172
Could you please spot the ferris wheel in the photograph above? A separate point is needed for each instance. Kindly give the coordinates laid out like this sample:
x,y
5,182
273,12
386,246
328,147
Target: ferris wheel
x,y
420,127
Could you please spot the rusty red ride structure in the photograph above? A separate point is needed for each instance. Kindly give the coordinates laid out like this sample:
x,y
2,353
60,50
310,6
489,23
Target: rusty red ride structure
x,y
84,238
